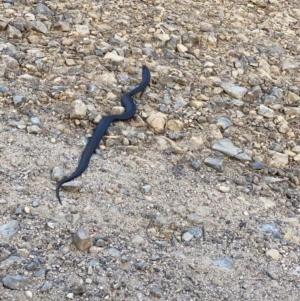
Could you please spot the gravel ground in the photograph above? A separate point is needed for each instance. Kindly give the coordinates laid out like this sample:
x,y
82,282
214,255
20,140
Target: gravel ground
x,y
196,197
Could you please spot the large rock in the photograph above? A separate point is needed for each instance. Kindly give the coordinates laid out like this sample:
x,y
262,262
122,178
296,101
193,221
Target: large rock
x,y
78,109
157,121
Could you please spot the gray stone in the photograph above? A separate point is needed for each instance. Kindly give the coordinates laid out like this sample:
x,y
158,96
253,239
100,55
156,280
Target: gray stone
x,y
12,261
43,9
254,94
140,265
39,27
35,120
72,186
78,109
100,243
17,282
58,173
138,240
233,90
3,25
292,111
113,252
13,33
270,228
226,147
154,257
82,239
46,287
35,204
3,89
256,165
19,100
215,163
9,229
194,218
34,129
40,273
145,188
224,122
277,93
196,232
187,236
32,265
11,63
156,292
288,65
224,263
265,111
195,165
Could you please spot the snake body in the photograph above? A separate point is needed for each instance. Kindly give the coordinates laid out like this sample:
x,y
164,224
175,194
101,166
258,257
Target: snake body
x,y
102,127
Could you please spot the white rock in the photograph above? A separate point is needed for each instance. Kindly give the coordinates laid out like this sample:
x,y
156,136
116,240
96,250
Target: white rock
x,y
273,253
157,121
233,90
29,294
114,57
78,109
181,48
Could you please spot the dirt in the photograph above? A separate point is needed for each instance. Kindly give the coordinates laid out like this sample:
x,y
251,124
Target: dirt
x,y
163,222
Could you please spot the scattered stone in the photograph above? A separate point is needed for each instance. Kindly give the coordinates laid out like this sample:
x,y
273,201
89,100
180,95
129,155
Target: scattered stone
x,y
156,292
13,33
265,111
19,100
29,294
113,57
175,125
187,236
256,165
157,122
223,188
233,90
288,65
58,173
140,265
226,147
215,163
78,109
43,9
146,188
72,186
195,165
46,287
82,30
17,282
9,229
40,273
34,129
138,240
39,27
224,123
278,160
113,252
194,219
273,253
224,263
82,239
12,261
270,228
254,94
196,232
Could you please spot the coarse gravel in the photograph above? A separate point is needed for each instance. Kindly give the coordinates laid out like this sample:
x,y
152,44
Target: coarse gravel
x,y
197,196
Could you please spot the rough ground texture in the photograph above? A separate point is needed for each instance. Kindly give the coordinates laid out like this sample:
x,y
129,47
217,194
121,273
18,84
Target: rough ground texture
x,y
197,197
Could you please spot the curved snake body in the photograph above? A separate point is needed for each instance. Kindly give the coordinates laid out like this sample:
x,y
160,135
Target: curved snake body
x,y
102,127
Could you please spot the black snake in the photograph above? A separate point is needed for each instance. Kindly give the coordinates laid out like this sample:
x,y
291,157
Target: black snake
x,y
102,127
